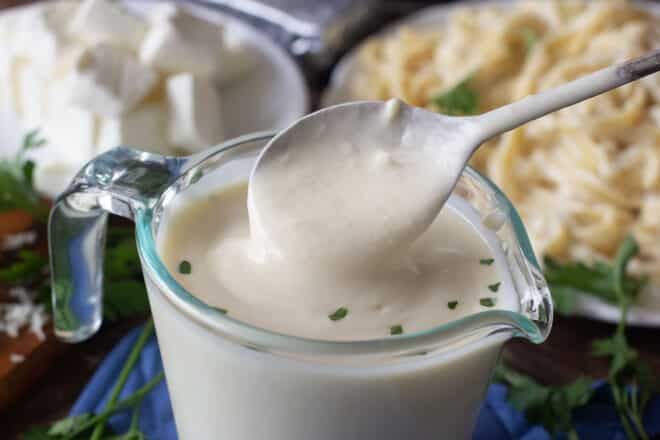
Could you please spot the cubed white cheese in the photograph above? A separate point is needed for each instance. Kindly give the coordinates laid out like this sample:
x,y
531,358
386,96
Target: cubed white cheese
x,y
39,33
14,316
71,134
143,128
98,21
109,81
16,358
235,59
194,112
178,42
7,102
32,88
52,177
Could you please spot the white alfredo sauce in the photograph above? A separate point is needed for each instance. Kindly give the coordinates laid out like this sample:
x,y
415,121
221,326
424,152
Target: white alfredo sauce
x,y
341,240
449,272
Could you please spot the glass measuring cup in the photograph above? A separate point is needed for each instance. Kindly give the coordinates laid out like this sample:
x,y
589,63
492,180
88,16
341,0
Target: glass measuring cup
x,y
231,380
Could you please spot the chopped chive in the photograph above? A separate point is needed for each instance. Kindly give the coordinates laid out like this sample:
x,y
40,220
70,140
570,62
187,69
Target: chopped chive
x,y
220,310
487,302
185,267
494,287
396,330
452,304
340,313
486,261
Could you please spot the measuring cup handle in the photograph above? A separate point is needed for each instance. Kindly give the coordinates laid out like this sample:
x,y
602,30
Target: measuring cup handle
x,y
119,181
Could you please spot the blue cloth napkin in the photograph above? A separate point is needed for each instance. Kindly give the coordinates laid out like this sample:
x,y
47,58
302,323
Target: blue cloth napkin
x,y
498,420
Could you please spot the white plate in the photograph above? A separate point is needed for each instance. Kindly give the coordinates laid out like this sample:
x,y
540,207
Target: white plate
x,y
338,91
271,96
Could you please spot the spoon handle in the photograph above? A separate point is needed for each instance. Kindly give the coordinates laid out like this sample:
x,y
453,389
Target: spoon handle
x,y
532,107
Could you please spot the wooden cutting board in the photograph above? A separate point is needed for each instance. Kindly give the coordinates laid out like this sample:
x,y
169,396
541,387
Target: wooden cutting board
x,y
17,377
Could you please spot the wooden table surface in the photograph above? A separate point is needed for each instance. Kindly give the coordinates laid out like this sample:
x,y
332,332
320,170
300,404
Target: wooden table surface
x,y
562,358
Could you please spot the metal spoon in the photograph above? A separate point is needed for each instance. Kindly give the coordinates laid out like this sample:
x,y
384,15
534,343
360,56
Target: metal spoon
x,y
453,140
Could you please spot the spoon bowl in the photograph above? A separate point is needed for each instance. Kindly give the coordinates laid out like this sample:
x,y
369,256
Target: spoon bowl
x,y
410,147
313,186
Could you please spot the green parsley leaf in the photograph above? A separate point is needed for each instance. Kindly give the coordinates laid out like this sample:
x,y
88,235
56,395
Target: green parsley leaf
x,y
220,310
487,302
28,267
185,267
626,367
68,425
627,292
339,314
460,100
486,261
551,407
124,291
396,330
606,282
16,182
121,256
124,298
564,299
452,304
612,284
494,287
32,140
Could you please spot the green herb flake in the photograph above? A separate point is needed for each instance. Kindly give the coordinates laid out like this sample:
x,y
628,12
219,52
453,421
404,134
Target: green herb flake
x,y
396,330
531,38
460,100
185,267
452,304
220,310
487,302
486,261
339,314
494,287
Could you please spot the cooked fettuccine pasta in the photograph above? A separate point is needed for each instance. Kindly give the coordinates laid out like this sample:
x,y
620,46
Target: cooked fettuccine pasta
x,y
582,178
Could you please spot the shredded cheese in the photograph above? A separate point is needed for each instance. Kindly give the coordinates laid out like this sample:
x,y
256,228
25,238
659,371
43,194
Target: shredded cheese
x,y
22,313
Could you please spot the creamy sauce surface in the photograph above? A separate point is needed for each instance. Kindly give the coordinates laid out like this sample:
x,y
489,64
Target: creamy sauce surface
x,y
345,192
448,272
338,235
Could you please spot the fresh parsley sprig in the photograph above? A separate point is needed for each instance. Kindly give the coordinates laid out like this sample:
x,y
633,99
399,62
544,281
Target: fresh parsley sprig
x,y
608,282
626,367
549,406
93,426
611,283
17,190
